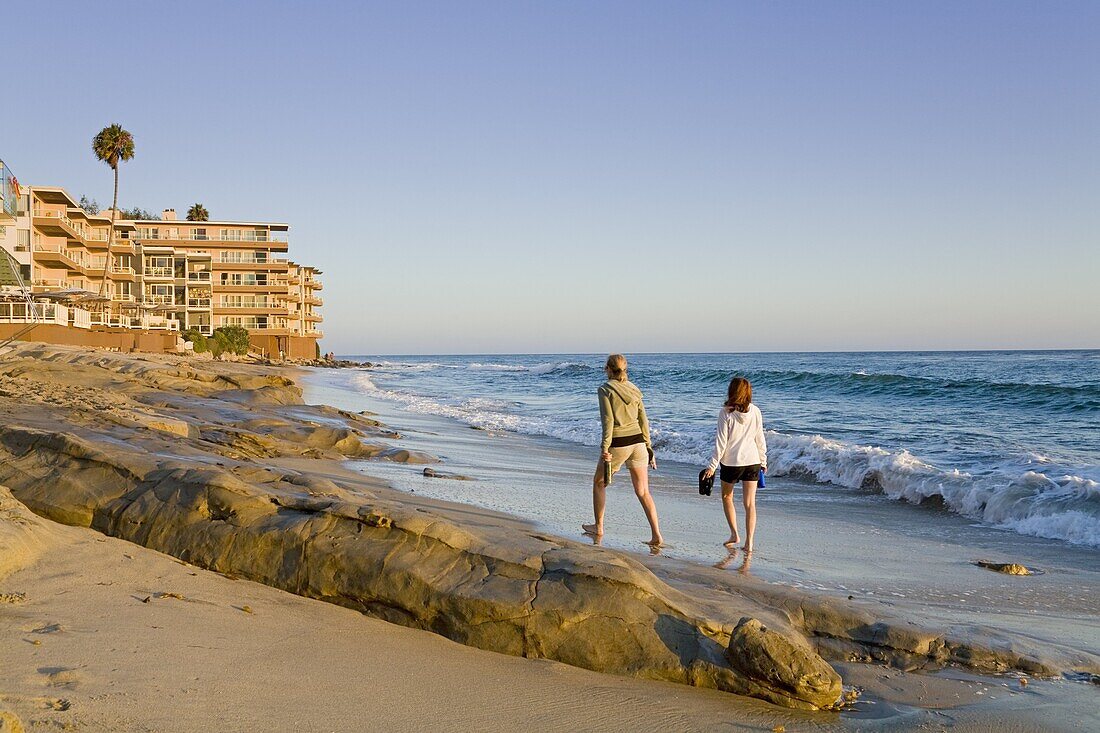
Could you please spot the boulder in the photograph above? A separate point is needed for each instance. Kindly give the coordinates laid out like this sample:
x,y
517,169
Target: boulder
x,y
779,670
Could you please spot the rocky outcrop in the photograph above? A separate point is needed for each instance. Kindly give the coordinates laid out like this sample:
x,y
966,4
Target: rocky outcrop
x,y
510,592
778,669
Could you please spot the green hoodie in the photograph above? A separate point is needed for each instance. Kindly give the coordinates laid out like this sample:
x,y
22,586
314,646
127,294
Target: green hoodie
x,y
622,413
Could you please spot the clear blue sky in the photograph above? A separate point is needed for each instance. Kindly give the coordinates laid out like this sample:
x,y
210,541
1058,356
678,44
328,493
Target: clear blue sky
x,y
597,176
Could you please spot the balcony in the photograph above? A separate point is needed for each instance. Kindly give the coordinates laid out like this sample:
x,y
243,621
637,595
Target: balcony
x,y
57,224
55,254
313,300
313,284
160,273
52,284
123,247
120,272
198,303
158,323
198,276
214,235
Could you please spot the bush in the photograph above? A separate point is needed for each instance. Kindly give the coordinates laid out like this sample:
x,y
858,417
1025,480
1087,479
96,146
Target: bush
x,y
230,339
198,340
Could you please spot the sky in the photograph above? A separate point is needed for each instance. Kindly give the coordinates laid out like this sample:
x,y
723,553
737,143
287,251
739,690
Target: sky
x,y
559,177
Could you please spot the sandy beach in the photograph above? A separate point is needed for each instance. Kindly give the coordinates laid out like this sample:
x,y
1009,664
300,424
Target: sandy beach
x,y
184,545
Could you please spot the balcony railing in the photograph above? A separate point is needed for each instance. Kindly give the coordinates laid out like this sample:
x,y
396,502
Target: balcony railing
x,y
198,302
51,283
239,258
20,312
160,272
63,217
214,236
122,270
199,276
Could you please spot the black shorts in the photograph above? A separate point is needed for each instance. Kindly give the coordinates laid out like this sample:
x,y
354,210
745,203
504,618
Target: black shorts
x,y
733,474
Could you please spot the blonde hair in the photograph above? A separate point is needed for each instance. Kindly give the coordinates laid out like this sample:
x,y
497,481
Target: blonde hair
x,y
616,367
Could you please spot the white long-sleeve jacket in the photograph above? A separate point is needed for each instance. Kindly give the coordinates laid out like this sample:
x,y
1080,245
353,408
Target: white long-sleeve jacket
x,y
740,439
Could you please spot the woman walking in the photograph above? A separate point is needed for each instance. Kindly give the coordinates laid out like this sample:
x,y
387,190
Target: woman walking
x,y
742,453
625,440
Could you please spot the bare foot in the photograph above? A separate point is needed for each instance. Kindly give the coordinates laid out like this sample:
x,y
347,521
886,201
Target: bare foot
x,y
593,529
731,543
657,541
747,548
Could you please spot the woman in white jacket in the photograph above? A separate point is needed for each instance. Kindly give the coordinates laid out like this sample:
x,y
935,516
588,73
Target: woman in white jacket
x,y
742,453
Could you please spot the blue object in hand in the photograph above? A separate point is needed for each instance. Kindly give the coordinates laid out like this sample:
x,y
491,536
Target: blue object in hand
x,y
760,484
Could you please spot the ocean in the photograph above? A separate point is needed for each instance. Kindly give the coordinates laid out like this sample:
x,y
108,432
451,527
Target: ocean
x,y
1009,439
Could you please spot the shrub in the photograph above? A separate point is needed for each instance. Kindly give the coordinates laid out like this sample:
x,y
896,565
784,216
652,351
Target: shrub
x,y
197,339
230,339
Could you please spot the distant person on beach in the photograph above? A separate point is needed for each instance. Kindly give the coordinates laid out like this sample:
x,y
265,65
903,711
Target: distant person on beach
x,y
625,440
742,453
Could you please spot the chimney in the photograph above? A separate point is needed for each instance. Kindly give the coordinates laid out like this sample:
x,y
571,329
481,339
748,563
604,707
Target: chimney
x,y
168,215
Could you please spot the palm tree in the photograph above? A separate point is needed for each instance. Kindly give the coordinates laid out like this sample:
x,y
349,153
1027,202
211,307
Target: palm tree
x,y
112,145
198,212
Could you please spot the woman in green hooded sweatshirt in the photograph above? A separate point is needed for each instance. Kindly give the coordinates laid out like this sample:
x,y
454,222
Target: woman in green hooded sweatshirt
x,y
625,440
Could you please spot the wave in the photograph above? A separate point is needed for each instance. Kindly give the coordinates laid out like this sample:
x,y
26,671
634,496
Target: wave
x,y
1065,508
1072,398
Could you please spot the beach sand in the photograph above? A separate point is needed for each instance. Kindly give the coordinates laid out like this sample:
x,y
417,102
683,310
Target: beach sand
x,y
132,639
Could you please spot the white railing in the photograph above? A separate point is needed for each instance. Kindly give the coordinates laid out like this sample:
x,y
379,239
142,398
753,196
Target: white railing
x,y
20,312
159,299
225,236
48,283
80,318
121,270
246,322
227,302
97,263
159,323
256,283
198,302
159,272
199,275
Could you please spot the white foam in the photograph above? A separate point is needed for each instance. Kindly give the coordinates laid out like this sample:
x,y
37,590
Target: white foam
x,y
1065,508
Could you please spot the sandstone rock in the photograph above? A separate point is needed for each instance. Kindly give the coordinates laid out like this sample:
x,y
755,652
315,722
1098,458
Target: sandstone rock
x,y
780,670
1008,568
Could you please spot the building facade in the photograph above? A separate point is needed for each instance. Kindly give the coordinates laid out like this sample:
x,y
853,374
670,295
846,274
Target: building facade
x,y
159,275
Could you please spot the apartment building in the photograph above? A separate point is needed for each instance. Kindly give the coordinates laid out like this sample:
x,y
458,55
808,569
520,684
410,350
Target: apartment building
x,y
163,275
224,273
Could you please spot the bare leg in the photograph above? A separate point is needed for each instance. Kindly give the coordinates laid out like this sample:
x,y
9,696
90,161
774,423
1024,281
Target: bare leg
x,y
639,475
731,515
749,489
599,500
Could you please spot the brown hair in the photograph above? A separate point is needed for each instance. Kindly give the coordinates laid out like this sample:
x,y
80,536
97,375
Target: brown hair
x,y
740,395
616,367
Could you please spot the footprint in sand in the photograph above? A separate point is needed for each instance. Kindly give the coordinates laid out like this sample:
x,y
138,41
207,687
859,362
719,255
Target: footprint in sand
x,y
66,677
47,629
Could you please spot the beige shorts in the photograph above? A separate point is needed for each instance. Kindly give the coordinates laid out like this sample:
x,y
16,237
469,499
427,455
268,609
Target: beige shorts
x,y
632,455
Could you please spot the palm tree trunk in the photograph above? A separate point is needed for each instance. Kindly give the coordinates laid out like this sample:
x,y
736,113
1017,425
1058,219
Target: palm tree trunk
x,y
110,241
